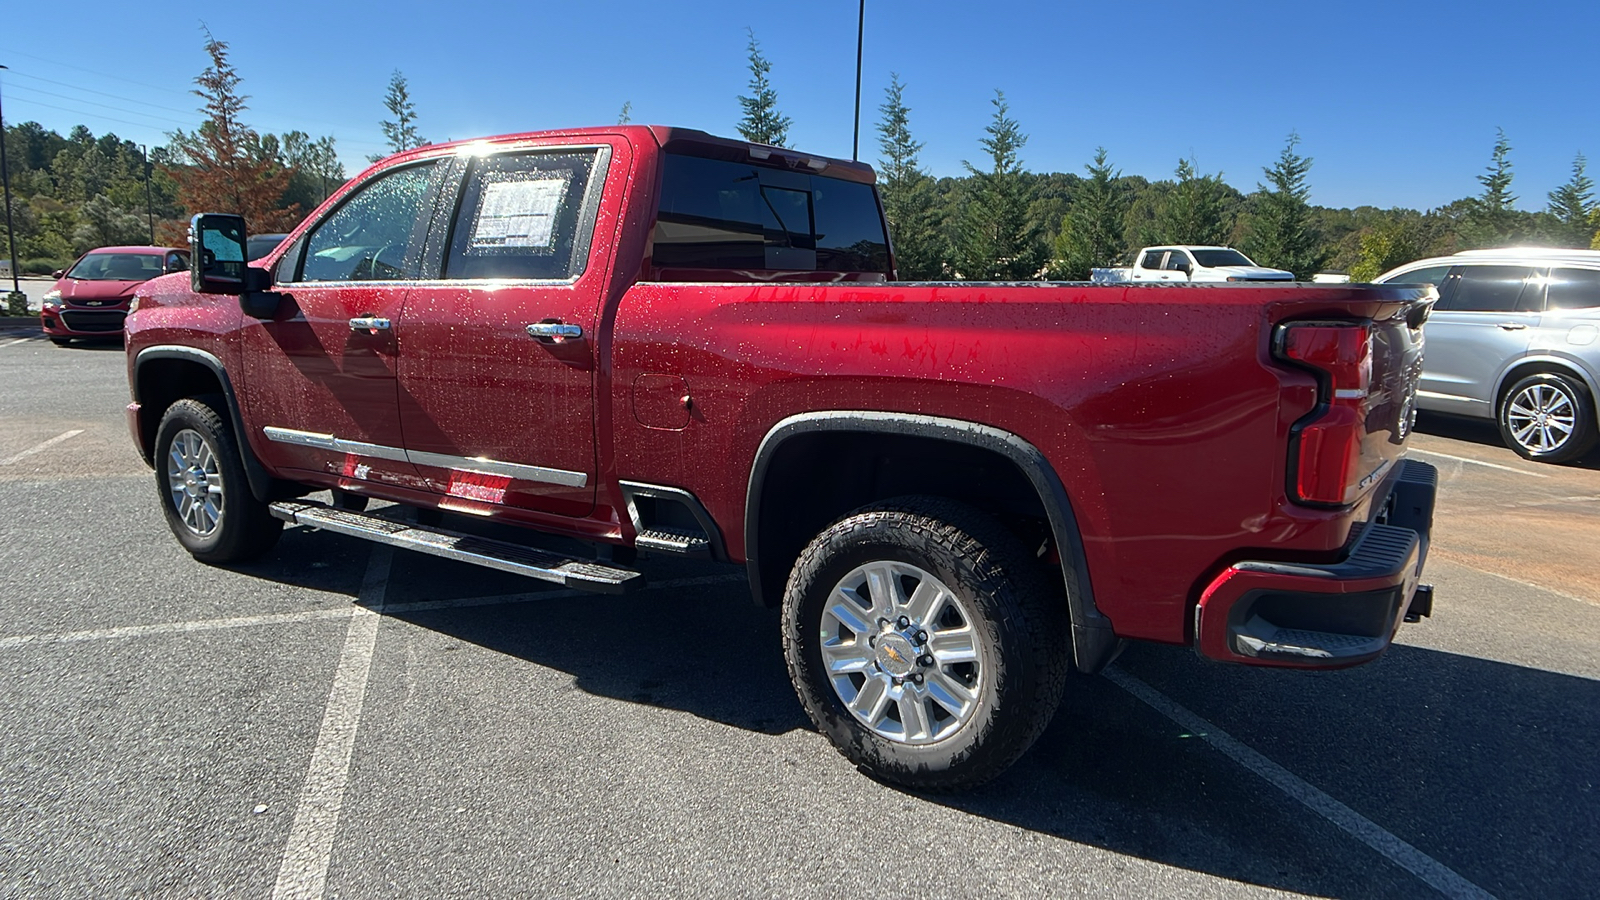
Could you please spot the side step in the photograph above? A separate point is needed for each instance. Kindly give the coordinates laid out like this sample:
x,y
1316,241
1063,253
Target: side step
x,y
582,574
679,541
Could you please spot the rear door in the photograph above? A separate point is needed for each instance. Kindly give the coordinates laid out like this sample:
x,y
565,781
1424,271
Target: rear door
x,y
1482,322
320,376
498,356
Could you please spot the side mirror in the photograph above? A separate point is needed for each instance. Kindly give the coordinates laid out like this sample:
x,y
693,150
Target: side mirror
x,y
178,264
58,273
217,250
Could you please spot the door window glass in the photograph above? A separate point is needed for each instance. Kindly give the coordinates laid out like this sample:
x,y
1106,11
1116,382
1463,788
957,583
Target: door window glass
x,y
1574,289
1488,289
1177,261
376,235
1152,260
525,217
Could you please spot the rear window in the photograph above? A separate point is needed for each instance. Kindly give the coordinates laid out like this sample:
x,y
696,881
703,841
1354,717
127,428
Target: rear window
x,y
1212,259
1574,289
716,214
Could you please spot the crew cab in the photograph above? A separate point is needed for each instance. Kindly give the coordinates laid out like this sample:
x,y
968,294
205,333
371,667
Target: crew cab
x,y
1192,264
661,342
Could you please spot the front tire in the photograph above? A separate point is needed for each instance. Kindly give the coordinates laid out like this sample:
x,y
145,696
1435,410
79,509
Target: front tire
x,y
924,642
1548,417
61,341
204,494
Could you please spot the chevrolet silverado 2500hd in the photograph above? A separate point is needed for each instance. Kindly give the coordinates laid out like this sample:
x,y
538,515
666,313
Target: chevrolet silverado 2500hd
x,y
654,340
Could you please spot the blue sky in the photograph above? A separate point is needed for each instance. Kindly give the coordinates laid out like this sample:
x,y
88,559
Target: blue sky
x,y
1396,101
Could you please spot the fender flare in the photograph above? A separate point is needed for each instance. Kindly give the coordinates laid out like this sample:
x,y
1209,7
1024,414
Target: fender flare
x,y
255,473
1094,643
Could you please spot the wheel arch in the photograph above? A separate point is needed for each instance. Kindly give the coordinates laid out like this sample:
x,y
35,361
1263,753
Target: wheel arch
x,y
942,455
164,374
1553,364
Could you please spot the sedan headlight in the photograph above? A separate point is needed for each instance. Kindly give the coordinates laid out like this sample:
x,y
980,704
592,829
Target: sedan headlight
x,y
133,305
52,298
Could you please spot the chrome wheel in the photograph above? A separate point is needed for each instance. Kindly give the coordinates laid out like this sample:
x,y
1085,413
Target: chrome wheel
x,y
194,483
1541,417
901,652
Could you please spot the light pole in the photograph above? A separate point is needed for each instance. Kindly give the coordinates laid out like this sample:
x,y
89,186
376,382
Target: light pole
x,y
5,179
149,207
861,28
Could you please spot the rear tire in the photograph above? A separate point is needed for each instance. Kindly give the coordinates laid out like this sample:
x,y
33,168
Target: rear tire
x,y
1549,418
923,641
202,486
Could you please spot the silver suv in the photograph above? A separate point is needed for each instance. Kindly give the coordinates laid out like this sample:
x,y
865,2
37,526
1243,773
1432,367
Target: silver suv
x,y
1515,337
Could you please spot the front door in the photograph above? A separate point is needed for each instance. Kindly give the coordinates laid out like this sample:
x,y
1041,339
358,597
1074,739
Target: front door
x,y
1482,321
320,375
497,358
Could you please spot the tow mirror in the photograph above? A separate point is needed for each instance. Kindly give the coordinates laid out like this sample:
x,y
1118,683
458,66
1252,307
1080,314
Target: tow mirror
x,y
217,250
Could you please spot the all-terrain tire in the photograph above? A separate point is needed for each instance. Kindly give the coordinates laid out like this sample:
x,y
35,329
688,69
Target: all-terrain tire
x,y
1020,642
201,484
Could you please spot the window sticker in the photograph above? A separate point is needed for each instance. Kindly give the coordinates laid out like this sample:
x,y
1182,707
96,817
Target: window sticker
x,y
520,213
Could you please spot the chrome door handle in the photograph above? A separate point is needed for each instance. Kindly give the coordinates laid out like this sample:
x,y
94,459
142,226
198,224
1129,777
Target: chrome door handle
x,y
555,330
1512,326
371,324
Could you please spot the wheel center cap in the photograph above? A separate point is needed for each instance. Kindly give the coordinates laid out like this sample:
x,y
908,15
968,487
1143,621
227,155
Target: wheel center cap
x,y
895,655
1543,419
194,482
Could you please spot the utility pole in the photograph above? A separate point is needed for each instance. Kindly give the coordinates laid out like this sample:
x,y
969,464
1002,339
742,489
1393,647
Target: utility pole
x,y
861,28
149,207
11,234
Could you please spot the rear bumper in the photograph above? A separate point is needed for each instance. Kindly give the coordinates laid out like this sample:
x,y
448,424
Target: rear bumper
x,y
1327,616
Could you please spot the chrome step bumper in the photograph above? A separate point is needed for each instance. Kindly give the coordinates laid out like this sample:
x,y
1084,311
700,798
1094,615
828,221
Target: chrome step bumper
x,y
581,574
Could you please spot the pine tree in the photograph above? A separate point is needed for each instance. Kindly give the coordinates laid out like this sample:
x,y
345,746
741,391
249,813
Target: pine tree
x,y
1491,216
1573,204
995,239
222,168
762,123
1091,233
402,132
1196,210
626,115
1281,231
908,199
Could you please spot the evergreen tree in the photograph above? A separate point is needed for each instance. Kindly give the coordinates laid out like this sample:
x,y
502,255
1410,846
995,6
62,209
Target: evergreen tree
x,y
1092,233
908,195
1384,246
1573,204
316,167
402,132
221,168
762,123
1282,234
1491,216
995,239
1196,210
626,115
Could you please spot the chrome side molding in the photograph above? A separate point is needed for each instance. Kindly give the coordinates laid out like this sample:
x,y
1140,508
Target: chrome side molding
x,y
475,464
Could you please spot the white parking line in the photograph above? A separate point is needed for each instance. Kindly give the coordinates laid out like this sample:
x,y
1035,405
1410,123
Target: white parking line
x,y
39,448
1479,462
12,343
314,615
303,874
1436,874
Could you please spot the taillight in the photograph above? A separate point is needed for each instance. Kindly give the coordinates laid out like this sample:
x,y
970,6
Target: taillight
x,y
1327,449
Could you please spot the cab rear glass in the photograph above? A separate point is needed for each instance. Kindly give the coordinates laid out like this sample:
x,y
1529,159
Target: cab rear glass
x,y
721,215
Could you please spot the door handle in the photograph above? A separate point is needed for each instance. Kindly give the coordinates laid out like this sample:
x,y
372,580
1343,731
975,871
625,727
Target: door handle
x,y
1512,326
556,330
369,324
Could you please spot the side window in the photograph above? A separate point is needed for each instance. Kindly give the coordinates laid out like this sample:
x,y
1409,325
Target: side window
x,y
1574,289
177,262
376,234
1433,275
526,216
1152,260
1488,289
718,214
1177,261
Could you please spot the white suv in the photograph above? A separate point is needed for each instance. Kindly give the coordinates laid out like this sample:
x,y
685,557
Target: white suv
x,y
1515,337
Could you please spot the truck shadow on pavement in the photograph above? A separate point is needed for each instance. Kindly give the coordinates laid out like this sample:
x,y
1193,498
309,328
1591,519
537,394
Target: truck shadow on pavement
x,y
1485,766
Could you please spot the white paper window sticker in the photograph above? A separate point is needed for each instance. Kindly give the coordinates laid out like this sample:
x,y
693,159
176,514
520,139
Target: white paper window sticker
x,y
519,213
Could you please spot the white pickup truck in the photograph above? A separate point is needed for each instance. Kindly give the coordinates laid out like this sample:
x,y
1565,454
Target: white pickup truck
x,y
1184,263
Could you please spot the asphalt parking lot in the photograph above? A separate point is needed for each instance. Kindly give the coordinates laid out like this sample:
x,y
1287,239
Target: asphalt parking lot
x,y
342,720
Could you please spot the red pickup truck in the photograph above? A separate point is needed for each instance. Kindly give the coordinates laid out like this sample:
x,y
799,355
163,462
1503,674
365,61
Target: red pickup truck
x,y
658,341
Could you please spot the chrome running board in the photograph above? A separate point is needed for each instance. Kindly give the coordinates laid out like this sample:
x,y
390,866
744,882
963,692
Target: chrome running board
x,y
581,574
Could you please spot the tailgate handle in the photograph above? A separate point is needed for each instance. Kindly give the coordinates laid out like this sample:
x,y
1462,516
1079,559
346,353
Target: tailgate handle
x,y
371,324
1512,326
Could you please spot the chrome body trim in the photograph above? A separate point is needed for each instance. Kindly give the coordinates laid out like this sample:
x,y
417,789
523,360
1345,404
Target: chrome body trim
x,y
479,465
